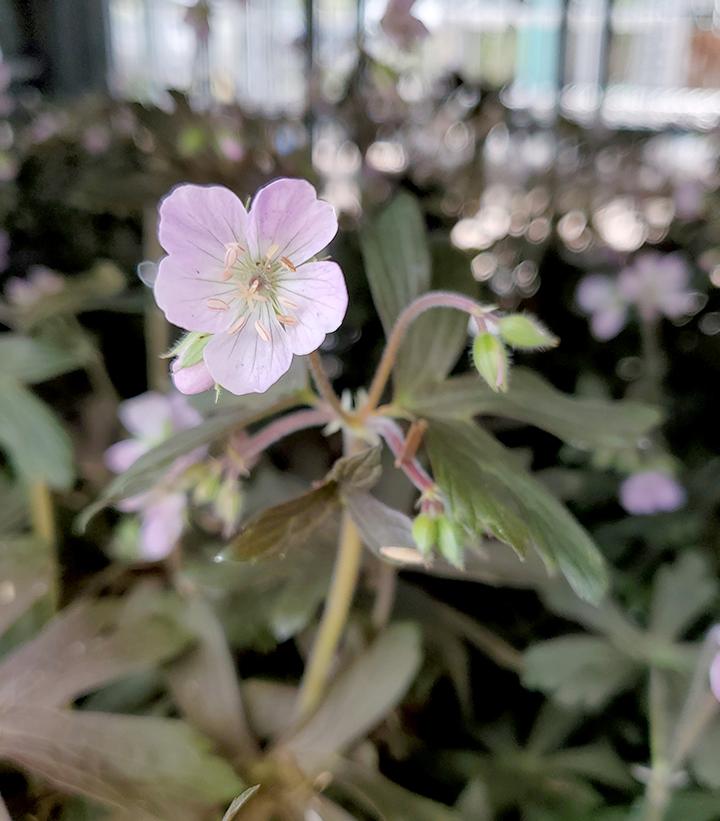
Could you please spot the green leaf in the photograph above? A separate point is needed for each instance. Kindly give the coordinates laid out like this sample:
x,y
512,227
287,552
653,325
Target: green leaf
x,y
204,684
361,696
156,768
525,333
705,757
361,471
26,574
578,671
32,360
35,441
270,706
486,491
90,645
281,527
682,592
239,802
396,256
584,423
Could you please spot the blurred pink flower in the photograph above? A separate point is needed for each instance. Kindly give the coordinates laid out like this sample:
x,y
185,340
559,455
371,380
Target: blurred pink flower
x,y
151,418
96,139
651,491
657,285
400,25
245,279
230,147
598,296
39,282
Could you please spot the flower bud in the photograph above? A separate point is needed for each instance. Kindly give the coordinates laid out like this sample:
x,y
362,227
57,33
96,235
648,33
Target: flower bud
x,y
228,505
525,332
491,360
425,532
450,548
193,379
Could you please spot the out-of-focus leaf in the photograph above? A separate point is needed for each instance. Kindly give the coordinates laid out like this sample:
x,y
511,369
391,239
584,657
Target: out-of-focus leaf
x,y
360,697
239,802
693,806
396,255
578,671
436,338
157,768
295,605
473,803
31,434
4,814
585,423
270,706
26,571
204,684
31,360
154,463
361,471
277,529
705,757
387,801
89,645
13,506
597,762
682,592
379,525
487,491
328,810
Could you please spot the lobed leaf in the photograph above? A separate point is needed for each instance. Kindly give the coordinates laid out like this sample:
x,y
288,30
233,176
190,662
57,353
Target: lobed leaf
x,y
32,360
682,593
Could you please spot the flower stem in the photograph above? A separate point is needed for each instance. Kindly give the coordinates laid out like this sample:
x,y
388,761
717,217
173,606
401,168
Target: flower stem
x,y
323,385
432,299
280,428
334,618
658,791
42,519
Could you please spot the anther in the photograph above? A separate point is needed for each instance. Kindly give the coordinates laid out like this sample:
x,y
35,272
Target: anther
x,y
238,324
262,331
288,264
287,320
217,305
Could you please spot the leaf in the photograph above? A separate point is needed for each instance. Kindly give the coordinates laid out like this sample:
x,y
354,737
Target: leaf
x,y
361,696
361,471
585,423
239,802
26,574
204,684
597,762
705,756
396,257
89,645
270,706
32,360
157,768
487,491
436,338
578,671
35,441
386,800
682,592
279,528
692,806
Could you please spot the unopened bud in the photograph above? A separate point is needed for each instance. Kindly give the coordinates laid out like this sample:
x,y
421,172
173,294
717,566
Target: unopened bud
x,y
491,360
425,532
450,548
526,333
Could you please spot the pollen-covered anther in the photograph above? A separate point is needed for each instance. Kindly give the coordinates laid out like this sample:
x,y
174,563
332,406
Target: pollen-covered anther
x,y
232,253
285,319
262,331
288,264
238,324
217,305
287,303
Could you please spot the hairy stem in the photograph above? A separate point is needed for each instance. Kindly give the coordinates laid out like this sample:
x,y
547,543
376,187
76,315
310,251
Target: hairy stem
x,y
280,428
658,790
334,618
322,382
432,299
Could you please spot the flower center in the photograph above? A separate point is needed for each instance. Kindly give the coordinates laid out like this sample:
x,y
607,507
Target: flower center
x,y
254,283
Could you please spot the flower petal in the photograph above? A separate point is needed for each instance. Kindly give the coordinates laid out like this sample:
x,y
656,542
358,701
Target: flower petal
x,y
198,221
318,291
288,220
146,416
161,527
607,324
121,455
182,293
243,362
195,379
182,413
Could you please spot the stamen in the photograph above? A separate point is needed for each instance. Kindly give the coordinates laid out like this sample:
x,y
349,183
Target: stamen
x,y
288,264
254,285
271,251
217,305
232,252
262,331
226,274
288,303
287,320
238,324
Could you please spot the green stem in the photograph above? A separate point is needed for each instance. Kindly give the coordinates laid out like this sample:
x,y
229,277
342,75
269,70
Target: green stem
x,y
658,791
42,519
334,618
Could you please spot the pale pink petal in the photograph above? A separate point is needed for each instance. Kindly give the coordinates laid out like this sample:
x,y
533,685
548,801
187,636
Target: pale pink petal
x,y
288,220
315,295
607,324
197,222
244,362
146,416
182,293
651,491
182,413
715,676
161,527
121,455
195,379
595,292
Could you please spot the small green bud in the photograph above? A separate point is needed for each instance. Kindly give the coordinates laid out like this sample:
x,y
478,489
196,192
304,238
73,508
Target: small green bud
x,y
526,333
450,547
425,533
491,360
207,487
229,504
189,348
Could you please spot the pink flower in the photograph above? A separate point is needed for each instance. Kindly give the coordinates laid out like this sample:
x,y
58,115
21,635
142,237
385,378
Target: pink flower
x,y
39,282
230,147
151,418
657,284
598,296
651,491
96,139
400,25
246,279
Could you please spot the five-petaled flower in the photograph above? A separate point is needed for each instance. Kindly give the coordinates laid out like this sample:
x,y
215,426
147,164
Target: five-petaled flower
x,y
247,278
